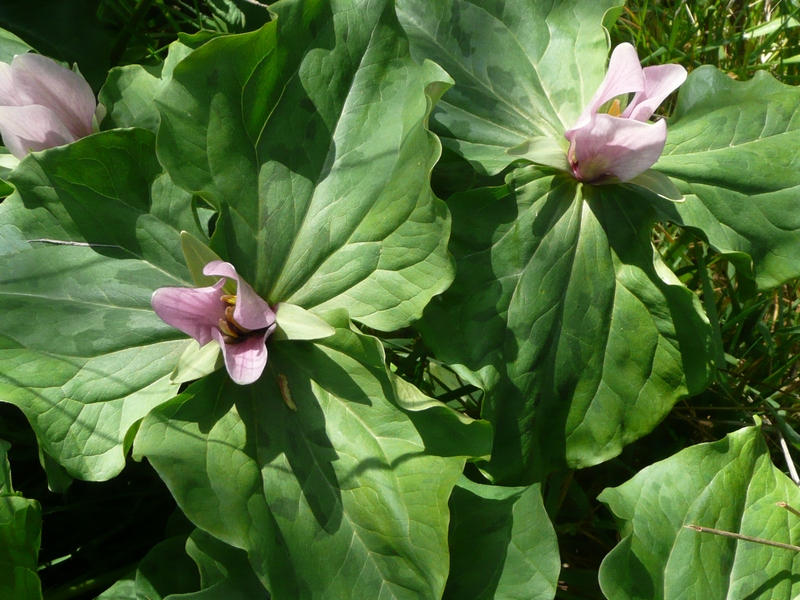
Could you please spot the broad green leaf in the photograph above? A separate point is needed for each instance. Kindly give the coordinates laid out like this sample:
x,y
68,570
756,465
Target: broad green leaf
x,y
734,150
310,136
295,323
198,255
581,337
197,361
340,498
729,485
225,572
20,535
91,232
522,68
129,91
502,544
124,589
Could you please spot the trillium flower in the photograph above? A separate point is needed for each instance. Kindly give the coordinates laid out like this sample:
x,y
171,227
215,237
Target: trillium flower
x,y
239,323
620,142
43,105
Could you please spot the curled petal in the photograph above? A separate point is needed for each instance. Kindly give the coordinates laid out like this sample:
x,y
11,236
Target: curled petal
x,y
40,80
195,311
26,128
624,76
614,146
245,361
251,311
659,82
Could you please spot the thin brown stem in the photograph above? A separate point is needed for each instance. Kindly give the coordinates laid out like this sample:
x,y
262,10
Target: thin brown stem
x,y
745,538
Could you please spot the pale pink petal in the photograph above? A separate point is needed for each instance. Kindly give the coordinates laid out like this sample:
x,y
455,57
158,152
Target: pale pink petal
x,y
624,76
245,360
220,268
9,95
40,80
251,311
196,312
659,82
26,128
615,146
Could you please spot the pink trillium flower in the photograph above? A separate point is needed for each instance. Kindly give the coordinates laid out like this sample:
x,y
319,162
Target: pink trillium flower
x,y
240,324
621,143
43,105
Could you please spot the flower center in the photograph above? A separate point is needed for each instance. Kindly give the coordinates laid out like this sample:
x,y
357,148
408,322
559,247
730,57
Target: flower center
x,y
232,332
615,109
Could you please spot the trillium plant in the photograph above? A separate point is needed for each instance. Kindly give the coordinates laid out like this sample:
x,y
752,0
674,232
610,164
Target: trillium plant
x,y
367,291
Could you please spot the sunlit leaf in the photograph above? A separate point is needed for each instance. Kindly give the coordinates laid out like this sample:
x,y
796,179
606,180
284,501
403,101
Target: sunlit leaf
x,y
734,150
310,136
92,230
522,68
729,485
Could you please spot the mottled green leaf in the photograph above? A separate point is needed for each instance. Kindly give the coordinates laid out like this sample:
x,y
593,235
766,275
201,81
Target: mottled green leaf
x,y
734,150
341,498
522,68
310,136
502,544
729,485
581,337
91,232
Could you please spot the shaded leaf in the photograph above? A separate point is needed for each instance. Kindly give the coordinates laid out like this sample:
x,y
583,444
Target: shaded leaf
x,y
340,498
581,337
129,91
197,567
729,485
20,536
225,572
502,544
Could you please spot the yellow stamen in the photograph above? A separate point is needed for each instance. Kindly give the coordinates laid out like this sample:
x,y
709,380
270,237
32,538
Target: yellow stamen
x,y
234,322
615,109
229,298
225,328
